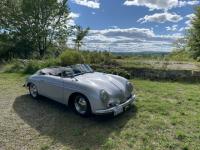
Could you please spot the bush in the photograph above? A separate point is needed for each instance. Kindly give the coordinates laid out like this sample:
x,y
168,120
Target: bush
x,y
71,57
51,62
29,66
14,66
179,55
116,71
32,67
103,58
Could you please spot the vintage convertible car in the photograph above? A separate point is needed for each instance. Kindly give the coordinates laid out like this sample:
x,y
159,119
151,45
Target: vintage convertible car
x,y
83,89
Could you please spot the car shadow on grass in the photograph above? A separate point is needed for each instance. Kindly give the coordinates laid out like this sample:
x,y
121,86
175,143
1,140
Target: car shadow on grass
x,y
52,119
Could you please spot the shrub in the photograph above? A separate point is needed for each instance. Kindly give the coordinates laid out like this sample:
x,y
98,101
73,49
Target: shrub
x,y
51,62
116,71
95,57
120,72
71,57
179,55
32,66
14,66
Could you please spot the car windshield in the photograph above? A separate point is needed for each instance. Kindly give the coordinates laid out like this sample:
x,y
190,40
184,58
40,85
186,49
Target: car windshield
x,y
66,72
81,69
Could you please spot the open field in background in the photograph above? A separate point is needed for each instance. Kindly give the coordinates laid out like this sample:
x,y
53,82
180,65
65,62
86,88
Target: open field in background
x,y
165,116
144,66
135,62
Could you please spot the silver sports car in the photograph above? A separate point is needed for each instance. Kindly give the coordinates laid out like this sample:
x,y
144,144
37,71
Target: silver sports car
x,y
83,89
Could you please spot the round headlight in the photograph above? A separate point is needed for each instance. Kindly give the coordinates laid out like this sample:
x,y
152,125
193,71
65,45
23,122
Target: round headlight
x,y
104,96
129,86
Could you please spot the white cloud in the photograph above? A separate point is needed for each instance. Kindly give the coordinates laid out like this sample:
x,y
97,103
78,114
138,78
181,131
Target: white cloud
x,y
188,24
128,40
190,17
72,16
181,29
93,13
88,3
184,3
153,4
172,28
113,27
160,4
161,18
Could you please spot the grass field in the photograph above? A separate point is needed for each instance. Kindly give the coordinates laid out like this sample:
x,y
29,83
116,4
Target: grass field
x,y
165,116
137,62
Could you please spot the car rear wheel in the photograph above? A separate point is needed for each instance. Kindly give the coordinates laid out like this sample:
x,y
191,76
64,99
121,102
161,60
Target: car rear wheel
x,y
33,91
81,105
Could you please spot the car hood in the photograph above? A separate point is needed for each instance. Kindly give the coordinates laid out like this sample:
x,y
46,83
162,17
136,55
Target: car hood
x,y
115,87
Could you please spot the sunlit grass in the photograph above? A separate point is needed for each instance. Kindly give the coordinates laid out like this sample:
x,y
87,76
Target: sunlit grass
x,y
159,63
165,116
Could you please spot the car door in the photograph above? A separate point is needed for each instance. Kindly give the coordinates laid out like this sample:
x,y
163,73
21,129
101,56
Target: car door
x,y
70,86
52,87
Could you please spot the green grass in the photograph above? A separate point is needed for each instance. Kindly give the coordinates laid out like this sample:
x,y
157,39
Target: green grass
x,y
159,63
165,116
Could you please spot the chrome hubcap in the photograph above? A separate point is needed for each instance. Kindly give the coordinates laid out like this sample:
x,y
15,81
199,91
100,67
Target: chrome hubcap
x,y
33,90
80,105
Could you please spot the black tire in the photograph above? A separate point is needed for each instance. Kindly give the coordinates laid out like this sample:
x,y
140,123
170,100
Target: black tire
x,y
81,100
33,91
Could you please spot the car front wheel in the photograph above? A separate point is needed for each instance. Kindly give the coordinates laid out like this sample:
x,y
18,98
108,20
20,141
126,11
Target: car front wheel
x,y
81,105
33,91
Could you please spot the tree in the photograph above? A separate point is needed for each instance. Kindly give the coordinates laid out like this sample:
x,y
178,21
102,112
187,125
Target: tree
x,y
6,45
180,44
38,23
80,33
194,34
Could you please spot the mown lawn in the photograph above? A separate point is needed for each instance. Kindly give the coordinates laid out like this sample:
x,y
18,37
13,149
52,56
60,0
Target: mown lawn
x,y
165,116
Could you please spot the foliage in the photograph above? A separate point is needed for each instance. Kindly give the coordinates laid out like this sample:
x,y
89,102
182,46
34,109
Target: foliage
x,y
15,66
33,65
5,46
71,57
68,57
30,66
33,25
117,71
194,35
180,44
80,33
96,57
179,55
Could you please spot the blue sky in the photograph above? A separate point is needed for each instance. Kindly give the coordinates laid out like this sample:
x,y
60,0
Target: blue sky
x,y
132,25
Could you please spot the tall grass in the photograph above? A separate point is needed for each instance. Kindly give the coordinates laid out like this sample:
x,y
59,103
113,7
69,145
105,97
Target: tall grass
x,y
68,57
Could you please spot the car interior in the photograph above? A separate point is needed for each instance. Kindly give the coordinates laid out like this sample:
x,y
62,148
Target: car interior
x,y
61,72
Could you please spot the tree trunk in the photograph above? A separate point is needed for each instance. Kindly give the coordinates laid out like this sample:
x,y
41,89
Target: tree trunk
x,y
78,46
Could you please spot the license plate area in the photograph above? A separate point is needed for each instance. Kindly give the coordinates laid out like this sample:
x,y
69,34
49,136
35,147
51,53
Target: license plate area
x,y
118,110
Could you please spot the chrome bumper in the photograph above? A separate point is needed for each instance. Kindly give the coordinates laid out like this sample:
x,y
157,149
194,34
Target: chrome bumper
x,y
113,109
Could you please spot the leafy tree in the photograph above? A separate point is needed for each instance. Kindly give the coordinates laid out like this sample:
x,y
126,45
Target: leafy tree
x,y
80,34
5,46
180,44
194,34
36,23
